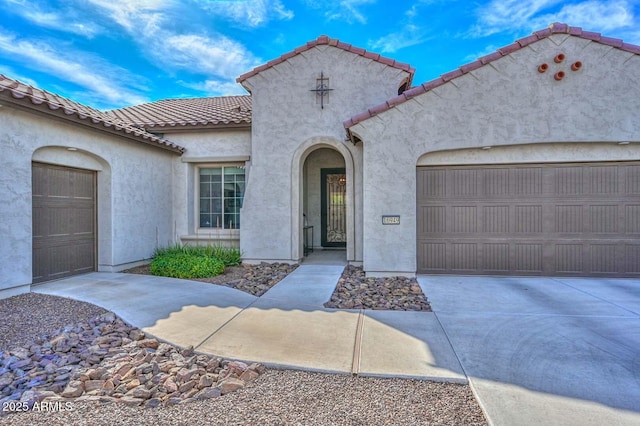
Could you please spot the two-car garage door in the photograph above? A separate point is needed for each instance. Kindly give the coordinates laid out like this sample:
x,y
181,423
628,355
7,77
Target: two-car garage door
x,y
64,236
533,219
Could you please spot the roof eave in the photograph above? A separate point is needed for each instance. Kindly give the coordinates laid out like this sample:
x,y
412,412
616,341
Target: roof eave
x,y
26,104
555,28
326,41
192,128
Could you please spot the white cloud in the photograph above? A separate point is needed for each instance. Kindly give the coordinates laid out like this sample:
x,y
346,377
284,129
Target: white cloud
x,y
344,10
217,55
252,13
166,31
509,15
216,87
74,66
409,35
135,16
62,18
605,16
197,52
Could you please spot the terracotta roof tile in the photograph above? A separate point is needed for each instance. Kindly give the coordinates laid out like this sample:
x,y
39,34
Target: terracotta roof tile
x,y
556,28
452,74
577,31
198,112
510,48
471,66
615,42
528,40
591,35
490,57
323,40
30,97
633,48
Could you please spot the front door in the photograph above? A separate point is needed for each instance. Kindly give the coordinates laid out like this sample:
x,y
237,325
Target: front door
x,y
334,207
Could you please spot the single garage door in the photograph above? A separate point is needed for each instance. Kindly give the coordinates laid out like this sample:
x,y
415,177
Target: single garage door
x,y
64,237
534,219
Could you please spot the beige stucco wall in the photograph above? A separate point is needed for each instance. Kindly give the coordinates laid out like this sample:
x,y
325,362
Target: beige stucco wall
x,y
204,148
505,103
288,123
134,191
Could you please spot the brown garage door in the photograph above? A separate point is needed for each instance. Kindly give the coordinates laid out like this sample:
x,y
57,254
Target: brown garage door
x,y
63,222
534,219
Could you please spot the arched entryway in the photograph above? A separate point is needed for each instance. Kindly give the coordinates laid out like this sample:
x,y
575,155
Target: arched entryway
x,y
323,207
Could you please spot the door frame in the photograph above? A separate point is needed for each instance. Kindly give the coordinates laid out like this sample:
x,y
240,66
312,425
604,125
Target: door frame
x,y
323,206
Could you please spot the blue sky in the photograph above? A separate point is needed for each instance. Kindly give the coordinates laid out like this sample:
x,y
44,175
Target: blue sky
x,y
116,53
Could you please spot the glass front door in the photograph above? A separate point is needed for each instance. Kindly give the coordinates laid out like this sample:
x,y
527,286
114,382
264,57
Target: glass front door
x,y
334,207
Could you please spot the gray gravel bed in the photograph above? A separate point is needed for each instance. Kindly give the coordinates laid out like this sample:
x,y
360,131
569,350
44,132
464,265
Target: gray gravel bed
x,y
355,291
292,398
278,397
27,316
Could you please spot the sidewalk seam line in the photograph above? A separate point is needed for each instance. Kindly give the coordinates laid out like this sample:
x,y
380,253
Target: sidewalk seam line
x,y
355,362
451,345
225,323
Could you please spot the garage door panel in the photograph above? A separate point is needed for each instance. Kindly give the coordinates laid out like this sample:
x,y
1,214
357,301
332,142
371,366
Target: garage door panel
x,y
464,257
528,258
632,218
604,180
463,183
496,219
64,235
527,181
632,181
433,255
569,258
631,258
528,219
496,257
605,258
569,219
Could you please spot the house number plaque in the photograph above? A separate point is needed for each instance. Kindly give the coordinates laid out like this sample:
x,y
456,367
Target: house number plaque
x,y
391,220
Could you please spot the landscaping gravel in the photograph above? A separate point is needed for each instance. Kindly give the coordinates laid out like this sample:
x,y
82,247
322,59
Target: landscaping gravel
x,y
355,291
292,398
43,314
252,279
275,398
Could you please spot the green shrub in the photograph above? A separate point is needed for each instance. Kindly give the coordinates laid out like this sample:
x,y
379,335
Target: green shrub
x,y
228,256
186,265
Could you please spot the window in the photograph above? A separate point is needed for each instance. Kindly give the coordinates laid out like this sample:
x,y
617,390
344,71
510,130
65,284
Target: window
x,y
221,193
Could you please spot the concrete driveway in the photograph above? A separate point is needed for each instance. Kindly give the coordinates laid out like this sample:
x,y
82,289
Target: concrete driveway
x,y
561,351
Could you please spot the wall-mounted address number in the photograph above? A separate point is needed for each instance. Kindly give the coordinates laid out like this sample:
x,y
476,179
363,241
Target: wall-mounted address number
x,y
391,220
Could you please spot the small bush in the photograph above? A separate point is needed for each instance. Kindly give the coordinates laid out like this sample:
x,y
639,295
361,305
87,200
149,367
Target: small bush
x,y
228,256
186,265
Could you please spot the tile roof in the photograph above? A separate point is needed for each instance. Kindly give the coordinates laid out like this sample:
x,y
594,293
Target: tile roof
x,y
18,93
222,111
555,28
326,41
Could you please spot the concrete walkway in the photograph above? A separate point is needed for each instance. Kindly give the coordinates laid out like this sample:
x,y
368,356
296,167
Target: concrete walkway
x,y
535,350
287,327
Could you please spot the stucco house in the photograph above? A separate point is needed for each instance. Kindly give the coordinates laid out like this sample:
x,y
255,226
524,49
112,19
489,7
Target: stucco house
x,y
524,162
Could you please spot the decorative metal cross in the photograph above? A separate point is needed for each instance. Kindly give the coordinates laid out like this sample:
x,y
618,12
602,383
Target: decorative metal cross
x,y
322,88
